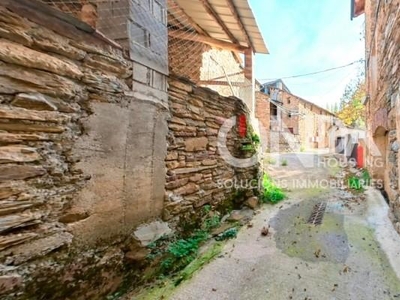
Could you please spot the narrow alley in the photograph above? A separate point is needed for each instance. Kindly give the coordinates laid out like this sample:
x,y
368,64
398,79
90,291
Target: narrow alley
x,y
353,254
199,149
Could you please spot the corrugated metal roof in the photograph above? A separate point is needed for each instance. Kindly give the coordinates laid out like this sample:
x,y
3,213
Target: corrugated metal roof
x,y
196,10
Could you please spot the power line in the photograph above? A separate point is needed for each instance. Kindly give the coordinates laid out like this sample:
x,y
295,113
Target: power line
x,y
317,72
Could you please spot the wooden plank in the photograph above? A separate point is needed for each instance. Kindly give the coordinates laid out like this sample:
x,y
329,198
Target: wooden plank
x,y
248,69
192,36
235,14
214,82
210,10
173,8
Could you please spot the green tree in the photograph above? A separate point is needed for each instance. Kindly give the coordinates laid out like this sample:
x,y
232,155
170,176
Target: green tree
x,y
352,109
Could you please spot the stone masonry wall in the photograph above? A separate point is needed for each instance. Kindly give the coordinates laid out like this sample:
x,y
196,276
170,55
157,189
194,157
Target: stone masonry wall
x,y
197,174
310,128
383,106
263,114
82,148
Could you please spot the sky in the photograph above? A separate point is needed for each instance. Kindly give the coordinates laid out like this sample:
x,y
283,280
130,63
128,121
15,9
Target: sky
x,y
305,36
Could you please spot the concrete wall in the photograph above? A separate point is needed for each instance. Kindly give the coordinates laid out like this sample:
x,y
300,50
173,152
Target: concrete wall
x,y
82,148
383,106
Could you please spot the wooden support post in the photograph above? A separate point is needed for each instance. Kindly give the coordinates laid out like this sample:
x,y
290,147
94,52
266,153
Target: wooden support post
x,y
249,75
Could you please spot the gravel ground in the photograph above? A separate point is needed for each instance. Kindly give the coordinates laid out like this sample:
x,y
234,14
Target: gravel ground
x,y
353,254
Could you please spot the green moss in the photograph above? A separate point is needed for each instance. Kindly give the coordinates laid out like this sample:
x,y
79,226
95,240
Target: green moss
x,y
363,239
166,288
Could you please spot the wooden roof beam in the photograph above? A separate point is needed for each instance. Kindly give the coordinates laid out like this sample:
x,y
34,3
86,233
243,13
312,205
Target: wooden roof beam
x,y
210,10
193,36
240,23
174,7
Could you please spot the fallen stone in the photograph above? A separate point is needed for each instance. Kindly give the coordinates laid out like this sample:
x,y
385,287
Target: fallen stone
x,y
149,233
243,216
252,202
224,227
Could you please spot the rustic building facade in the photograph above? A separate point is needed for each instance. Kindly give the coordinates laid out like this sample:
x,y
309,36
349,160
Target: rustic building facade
x,y
294,123
93,144
382,41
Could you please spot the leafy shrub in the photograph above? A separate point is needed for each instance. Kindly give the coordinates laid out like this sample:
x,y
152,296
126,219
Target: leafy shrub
x,y
284,163
182,252
228,234
255,139
355,183
271,192
211,222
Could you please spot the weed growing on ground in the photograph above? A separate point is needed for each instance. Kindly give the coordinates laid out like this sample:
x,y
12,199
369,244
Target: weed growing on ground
x,y
270,160
182,252
271,192
284,163
359,182
228,234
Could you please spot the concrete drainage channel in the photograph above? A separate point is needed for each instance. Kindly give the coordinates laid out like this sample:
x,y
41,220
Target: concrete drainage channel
x,y
317,214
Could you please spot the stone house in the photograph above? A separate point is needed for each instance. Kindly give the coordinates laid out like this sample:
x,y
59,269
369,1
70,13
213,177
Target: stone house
x,y
103,138
294,122
382,42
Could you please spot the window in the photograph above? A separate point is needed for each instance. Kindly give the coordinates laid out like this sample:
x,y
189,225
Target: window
x,y
289,115
288,101
141,35
274,110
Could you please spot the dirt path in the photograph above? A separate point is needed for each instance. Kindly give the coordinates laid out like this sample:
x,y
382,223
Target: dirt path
x,y
353,254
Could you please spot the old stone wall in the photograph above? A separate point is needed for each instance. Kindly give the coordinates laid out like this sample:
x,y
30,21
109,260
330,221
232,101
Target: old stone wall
x,y
301,123
82,149
263,114
314,126
383,106
197,172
